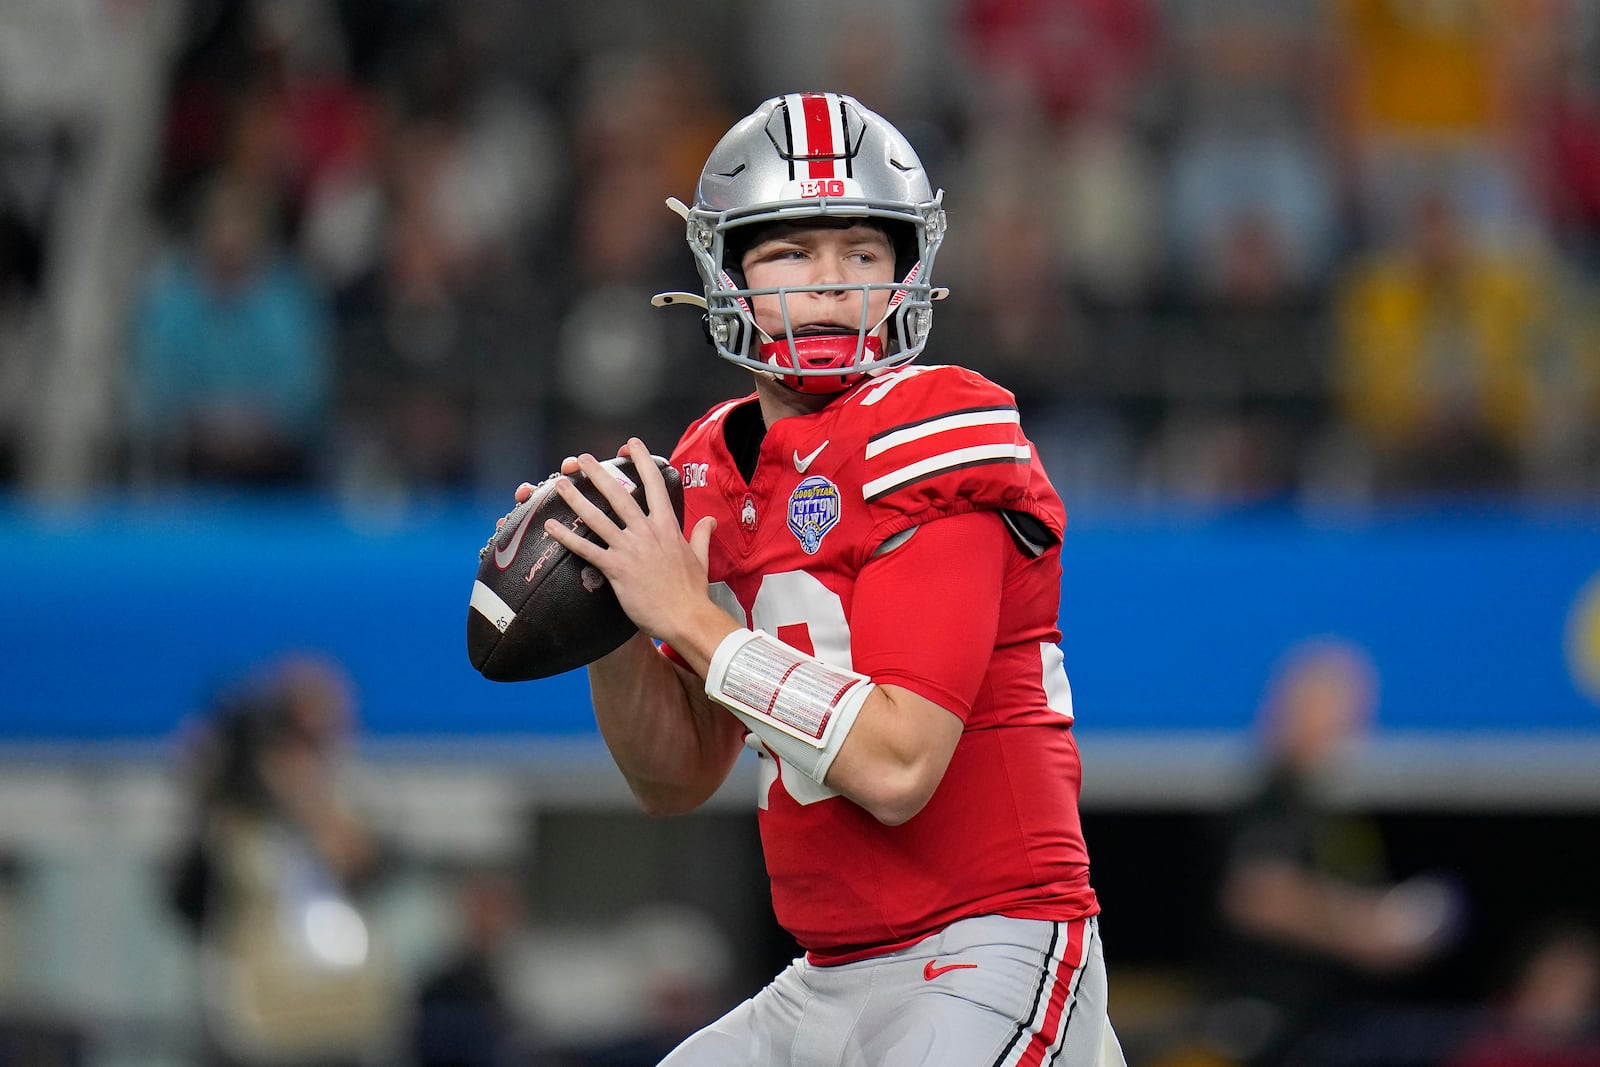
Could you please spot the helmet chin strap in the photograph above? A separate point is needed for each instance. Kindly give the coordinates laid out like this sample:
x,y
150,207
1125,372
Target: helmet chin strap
x,y
820,347
831,351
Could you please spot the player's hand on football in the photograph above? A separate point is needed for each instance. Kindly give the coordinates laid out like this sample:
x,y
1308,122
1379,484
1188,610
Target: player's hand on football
x,y
569,467
659,576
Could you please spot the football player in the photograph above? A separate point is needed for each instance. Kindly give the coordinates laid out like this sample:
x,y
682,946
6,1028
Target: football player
x,y
868,598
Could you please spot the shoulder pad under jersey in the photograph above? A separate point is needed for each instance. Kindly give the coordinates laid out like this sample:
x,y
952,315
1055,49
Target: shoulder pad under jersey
x,y
943,440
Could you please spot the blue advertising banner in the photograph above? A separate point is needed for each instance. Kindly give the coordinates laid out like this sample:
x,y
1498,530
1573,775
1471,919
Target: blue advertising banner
x,y
118,624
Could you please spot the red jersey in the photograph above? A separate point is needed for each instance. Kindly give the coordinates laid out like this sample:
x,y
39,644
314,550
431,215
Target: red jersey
x,y
1001,834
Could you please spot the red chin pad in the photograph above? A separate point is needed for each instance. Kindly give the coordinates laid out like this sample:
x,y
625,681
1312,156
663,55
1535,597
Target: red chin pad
x,y
823,351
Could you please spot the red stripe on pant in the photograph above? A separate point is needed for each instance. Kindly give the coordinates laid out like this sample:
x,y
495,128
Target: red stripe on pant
x,y
1045,1037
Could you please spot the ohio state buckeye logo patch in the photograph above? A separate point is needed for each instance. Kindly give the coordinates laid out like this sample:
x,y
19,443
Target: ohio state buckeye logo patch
x,y
813,511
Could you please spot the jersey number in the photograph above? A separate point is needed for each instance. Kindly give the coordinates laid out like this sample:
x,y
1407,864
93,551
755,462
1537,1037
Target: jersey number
x,y
796,608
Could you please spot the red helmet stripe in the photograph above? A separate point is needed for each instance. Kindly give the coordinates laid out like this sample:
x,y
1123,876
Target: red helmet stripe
x,y
817,134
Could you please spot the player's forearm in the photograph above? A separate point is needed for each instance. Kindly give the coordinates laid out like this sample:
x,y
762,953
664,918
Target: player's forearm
x,y
672,745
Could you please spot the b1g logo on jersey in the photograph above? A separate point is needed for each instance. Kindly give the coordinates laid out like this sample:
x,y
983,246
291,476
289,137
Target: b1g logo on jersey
x,y
694,475
813,511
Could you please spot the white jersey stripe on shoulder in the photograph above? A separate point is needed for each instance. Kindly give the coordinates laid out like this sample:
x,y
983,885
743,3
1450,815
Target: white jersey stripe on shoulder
x,y
889,379
959,457
955,421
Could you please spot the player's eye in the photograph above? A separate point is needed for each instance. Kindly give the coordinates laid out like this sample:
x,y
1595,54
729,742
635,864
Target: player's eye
x,y
780,254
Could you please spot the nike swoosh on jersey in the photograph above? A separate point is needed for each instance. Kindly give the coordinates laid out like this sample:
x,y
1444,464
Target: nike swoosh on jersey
x,y
800,465
930,972
504,556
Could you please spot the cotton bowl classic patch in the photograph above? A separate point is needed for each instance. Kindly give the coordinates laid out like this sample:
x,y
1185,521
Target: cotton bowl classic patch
x,y
813,511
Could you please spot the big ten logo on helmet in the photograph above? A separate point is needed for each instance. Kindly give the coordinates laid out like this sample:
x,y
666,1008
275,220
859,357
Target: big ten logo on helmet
x,y
813,511
694,475
821,187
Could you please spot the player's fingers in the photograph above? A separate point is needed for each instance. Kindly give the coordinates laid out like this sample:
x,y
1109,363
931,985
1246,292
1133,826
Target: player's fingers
x,y
569,466
700,540
649,475
617,492
584,509
524,491
574,542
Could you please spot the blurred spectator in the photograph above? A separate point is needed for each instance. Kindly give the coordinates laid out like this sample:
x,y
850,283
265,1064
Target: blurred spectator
x,y
473,151
429,349
1441,342
1308,914
1561,128
1253,202
51,67
1057,178
33,169
643,122
1015,315
1011,314
262,90
1057,117
1429,102
1548,1014
429,252
1252,211
273,880
889,52
463,1017
1059,57
229,375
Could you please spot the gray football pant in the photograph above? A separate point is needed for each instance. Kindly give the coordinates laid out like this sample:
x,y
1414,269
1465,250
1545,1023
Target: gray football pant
x,y
985,992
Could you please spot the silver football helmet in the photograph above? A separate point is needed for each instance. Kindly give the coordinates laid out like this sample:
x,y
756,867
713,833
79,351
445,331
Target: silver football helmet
x,y
805,156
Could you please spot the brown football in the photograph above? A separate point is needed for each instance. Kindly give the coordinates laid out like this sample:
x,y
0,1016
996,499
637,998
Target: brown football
x,y
536,609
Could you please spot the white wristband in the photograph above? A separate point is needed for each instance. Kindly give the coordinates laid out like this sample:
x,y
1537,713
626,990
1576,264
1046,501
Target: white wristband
x,y
801,707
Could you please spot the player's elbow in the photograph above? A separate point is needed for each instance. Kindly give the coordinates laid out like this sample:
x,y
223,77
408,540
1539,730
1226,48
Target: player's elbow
x,y
892,787
656,808
894,759
896,814
895,796
661,801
